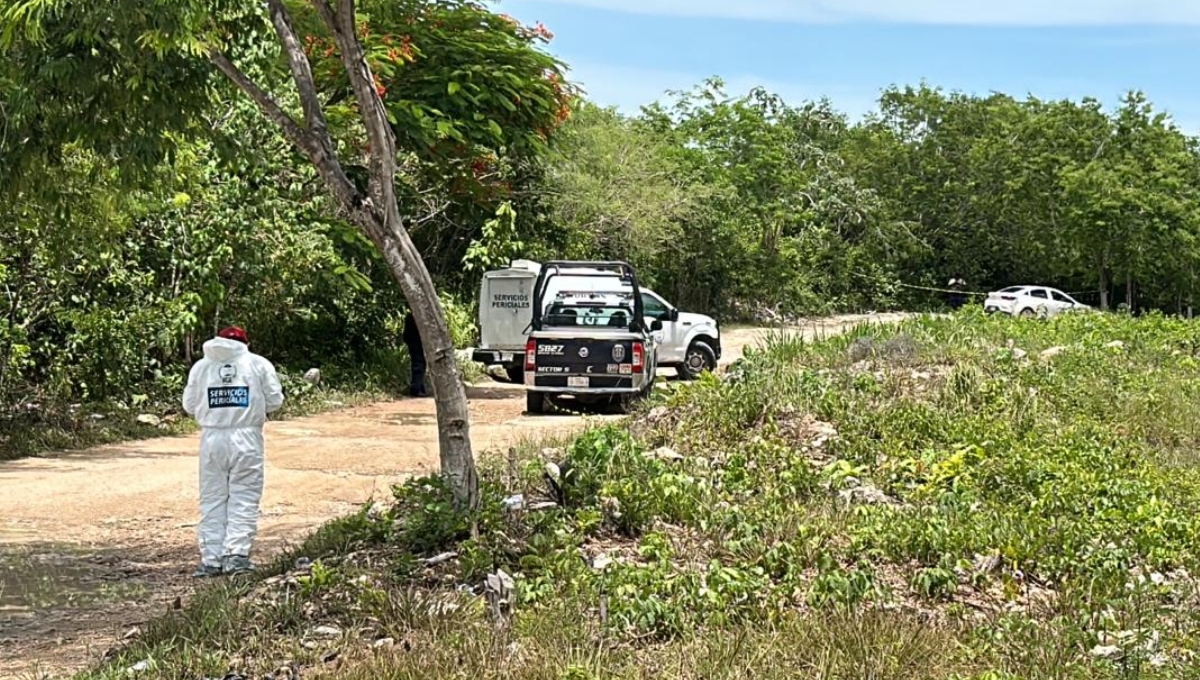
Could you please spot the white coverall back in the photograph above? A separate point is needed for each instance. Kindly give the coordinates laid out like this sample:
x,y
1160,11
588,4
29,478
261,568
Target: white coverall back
x,y
230,392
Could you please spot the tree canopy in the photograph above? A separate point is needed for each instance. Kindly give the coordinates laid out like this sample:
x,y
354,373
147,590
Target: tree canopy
x,y
169,167
126,80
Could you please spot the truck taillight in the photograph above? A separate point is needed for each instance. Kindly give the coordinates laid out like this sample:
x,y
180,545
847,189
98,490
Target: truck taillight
x,y
639,357
531,355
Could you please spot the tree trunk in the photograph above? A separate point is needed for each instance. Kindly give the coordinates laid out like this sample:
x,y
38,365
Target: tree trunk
x,y
449,392
376,212
1129,291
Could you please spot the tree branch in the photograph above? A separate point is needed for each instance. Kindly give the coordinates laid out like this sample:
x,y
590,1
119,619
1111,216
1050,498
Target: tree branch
x,y
370,105
266,103
327,15
343,190
314,114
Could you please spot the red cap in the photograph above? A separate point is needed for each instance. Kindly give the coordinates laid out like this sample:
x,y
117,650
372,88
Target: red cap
x,y
234,333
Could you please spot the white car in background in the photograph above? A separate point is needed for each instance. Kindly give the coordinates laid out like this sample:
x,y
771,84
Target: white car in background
x,y
1032,301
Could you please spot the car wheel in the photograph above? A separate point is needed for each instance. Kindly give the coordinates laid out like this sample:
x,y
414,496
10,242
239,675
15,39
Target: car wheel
x,y
1028,313
700,357
516,374
535,403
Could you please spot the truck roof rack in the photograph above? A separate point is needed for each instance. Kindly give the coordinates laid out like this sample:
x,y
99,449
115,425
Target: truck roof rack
x,y
607,269
624,269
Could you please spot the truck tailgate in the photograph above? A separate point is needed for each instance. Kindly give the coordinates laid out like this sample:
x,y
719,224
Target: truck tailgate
x,y
605,363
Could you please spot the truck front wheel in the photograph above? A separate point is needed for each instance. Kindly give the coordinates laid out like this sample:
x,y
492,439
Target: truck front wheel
x,y
700,357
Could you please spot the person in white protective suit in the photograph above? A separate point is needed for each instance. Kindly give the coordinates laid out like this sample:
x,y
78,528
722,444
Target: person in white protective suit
x,y
230,392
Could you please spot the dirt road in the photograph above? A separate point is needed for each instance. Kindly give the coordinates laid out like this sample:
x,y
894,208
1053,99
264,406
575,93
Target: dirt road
x,y
95,542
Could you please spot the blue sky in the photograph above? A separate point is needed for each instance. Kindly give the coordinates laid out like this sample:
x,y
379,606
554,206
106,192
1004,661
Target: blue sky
x,y
628,52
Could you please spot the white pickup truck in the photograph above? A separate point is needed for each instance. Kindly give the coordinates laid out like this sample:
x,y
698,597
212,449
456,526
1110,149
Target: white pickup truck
x,y
689,343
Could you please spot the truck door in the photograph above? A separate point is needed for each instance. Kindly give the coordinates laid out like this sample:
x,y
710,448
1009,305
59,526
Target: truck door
x,y
668,339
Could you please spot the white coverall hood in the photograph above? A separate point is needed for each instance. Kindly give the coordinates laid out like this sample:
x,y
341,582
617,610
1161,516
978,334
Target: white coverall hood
x,y
232,387
230,392
224,349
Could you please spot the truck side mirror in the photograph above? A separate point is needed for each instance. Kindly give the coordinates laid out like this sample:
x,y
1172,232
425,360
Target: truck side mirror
x,y
657,325
673,315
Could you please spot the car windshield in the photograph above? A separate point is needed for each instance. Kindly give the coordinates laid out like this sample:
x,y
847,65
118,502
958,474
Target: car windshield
x,y
588,315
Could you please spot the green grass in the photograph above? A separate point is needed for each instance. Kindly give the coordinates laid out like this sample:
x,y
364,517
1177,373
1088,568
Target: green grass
x,y
931,500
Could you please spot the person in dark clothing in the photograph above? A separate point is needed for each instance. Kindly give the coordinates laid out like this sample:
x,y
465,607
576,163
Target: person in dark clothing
x,y
958,299
416,352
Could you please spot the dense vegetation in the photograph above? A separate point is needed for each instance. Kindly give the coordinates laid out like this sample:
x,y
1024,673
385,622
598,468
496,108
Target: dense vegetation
x,y
114,272
948,498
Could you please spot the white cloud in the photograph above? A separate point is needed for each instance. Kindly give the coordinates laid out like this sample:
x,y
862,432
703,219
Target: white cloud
x,y
629,88
976,12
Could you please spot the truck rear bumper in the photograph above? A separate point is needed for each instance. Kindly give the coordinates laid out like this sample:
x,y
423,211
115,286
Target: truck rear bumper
x,y
596,384
582,392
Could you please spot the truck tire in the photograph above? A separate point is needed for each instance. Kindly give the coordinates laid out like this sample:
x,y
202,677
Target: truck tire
x,y
626,403
516,374
535,403
699,358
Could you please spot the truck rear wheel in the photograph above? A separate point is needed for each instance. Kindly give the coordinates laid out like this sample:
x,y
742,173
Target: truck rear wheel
x,y
535,403
623,404
700,357
626,403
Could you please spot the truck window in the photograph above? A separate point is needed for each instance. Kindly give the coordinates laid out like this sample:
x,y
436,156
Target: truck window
x,y
562,316
588,316
652,307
